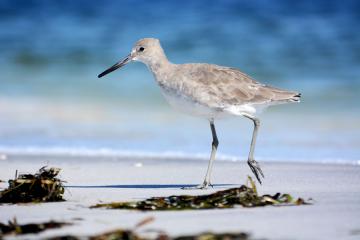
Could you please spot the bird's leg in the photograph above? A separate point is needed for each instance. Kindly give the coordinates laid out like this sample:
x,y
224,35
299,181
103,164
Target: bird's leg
x,y
254,165
214,146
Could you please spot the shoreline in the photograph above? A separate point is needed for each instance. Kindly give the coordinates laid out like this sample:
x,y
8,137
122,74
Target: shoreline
x,y
110,154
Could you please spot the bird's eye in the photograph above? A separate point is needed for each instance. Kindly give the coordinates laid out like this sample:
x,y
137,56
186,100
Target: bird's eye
x,y
141,49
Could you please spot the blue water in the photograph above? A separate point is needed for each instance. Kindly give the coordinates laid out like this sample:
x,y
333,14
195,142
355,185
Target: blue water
x,y
52,101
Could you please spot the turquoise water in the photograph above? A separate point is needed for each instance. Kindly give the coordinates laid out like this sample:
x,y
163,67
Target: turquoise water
x,y
52,101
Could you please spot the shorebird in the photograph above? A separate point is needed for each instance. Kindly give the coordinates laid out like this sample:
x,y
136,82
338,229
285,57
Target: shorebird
x,y
209,91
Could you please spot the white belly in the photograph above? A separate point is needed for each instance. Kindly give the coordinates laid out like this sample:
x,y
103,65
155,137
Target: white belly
x,y
188,106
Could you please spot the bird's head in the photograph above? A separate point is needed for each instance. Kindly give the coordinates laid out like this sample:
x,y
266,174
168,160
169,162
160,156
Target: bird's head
x,y
145,50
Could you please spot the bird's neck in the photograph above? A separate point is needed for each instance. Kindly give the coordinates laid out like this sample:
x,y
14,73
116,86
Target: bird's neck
x,y
159,66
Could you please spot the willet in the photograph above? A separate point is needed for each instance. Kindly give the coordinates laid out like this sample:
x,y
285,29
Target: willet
x,y
209,91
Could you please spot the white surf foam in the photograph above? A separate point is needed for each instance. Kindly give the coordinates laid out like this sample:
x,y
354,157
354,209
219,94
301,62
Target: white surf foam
x,y
118,153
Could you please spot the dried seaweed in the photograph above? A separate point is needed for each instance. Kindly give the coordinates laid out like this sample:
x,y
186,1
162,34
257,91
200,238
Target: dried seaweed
x,y
120,234
40,187
14,228
128,234
245,196
212,236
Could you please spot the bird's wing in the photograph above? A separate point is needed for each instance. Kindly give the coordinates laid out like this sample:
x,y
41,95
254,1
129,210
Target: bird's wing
x,y
217,86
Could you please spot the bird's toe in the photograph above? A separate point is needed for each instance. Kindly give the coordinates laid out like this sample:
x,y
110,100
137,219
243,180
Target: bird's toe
x,y
256,169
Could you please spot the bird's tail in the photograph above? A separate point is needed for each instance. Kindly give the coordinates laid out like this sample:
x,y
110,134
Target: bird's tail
x,y
283,96
295,98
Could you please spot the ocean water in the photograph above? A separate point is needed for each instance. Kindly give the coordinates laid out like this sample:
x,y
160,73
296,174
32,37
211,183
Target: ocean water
x,y
51,100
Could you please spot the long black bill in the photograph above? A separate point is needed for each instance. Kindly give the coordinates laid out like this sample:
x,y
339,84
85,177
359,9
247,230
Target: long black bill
x,y
116,66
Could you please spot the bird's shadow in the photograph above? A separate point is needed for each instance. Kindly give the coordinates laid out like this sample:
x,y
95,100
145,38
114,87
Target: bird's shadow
x,y
146,186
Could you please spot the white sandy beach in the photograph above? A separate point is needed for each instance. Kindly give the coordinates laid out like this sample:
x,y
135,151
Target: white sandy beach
x,y
335,189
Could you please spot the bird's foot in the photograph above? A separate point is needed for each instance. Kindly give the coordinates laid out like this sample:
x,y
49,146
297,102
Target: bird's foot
x,y
204,185
255,168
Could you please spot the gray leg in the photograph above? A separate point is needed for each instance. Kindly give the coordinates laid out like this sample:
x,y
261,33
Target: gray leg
x,y
214,145
254,165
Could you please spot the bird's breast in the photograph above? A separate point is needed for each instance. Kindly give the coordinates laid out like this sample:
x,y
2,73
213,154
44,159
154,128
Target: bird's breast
x,y
184,103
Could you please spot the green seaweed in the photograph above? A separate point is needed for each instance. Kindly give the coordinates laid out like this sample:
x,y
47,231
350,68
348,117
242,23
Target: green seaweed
x,y
42,186
120,234
131,234
127,234
245,196
14,228
214,236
